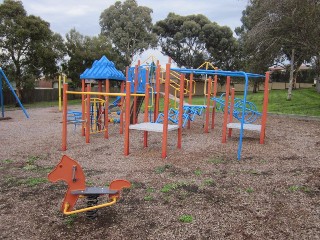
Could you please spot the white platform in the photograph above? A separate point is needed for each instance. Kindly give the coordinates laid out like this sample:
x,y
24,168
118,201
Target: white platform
x,y
192,105
251,127
152,127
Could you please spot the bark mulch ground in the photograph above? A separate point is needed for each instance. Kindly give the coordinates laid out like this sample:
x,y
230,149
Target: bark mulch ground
x,y
199,192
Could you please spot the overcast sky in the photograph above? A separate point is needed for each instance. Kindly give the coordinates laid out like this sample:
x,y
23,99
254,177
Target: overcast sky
x,y
83,15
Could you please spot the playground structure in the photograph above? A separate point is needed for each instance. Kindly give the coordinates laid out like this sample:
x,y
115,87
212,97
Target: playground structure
x,y
143,85
235,107
4,77
243,110
94,115
70,171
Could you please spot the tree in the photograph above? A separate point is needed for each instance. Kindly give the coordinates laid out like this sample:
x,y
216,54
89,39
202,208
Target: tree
x,y
222,46
83,50
29,49
191,40
285,29
129,27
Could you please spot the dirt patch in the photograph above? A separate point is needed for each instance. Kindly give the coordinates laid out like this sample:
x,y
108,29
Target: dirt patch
x,y
272,193
4,118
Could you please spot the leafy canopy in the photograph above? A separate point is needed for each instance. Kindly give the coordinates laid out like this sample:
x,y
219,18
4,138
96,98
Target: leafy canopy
x,y
129,27
83,50
271,29
191,40
277,31
29,48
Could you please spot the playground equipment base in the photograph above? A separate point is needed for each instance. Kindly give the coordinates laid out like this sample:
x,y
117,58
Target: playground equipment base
x,y
251,127
152,127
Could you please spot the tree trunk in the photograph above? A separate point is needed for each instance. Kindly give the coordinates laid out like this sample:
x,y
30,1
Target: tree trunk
x,y
19,95
255,87
291,76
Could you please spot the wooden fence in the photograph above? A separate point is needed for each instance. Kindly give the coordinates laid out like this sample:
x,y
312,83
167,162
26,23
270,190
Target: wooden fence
x,y
40,95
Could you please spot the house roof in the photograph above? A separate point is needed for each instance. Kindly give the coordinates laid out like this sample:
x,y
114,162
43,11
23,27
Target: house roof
x,y
103,69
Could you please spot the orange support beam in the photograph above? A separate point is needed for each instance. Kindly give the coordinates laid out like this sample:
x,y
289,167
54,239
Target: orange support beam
x,y
83,106
231,110
100,87
190,95
225,115
206,126
166,111
127,120
215,88
99,104
64,117
121,105
180,110
265,108
88,115
106,110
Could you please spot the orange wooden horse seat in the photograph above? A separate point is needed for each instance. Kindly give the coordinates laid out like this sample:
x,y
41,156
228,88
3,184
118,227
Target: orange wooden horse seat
x,y
70,171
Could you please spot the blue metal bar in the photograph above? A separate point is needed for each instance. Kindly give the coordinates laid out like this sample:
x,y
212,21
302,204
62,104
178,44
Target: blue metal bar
x,y
243,115
216,72
1,97
13,92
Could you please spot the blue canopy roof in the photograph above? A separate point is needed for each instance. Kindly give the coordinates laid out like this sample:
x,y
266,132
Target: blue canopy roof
x,y
103,69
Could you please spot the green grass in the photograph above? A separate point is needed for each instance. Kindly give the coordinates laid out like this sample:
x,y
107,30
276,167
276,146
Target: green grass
x,y
304,102
7,161
45,104
209,182
198,172
169,187
249,190
31,163
186,218
295,188
69,220
215,161
148,198
161,169
31,182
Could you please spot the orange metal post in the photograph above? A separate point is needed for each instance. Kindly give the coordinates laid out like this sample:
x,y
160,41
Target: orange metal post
x,y
99,106
166,112
265,109
64,117
190,95
106,110
225,115
100,87
146,109
121,104
127,120
215,86
157,100
180,110
231,110
88,116
206,125
83,106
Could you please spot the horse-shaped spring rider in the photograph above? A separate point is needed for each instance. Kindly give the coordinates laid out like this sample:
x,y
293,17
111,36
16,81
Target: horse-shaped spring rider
x,y
70,171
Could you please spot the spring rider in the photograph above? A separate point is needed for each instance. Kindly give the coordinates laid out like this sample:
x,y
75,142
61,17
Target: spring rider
x,y
70,171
